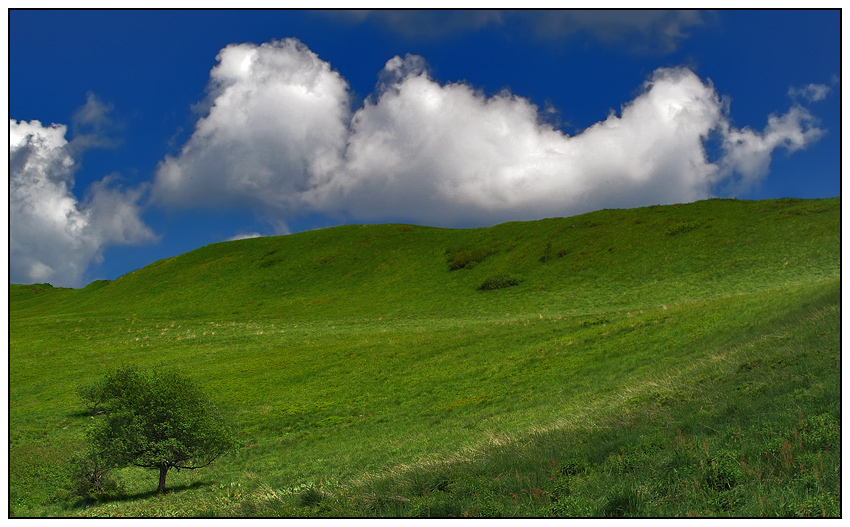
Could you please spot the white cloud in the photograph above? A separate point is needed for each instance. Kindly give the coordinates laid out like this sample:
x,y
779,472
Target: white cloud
x,y
748,153
279,137
276,123
244,236
91,125
53,236
810,92
447,155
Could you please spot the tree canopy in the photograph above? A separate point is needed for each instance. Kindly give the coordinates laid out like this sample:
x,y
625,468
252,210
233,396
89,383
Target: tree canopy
x,y
156,419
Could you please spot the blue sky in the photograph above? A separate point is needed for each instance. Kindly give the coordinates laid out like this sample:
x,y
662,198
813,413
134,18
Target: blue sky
x,y
140,135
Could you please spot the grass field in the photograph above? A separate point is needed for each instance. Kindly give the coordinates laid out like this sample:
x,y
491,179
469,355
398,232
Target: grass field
x,y
665,361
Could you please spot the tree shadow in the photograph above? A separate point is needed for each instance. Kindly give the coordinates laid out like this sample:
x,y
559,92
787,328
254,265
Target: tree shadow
x,y
168,490
129,498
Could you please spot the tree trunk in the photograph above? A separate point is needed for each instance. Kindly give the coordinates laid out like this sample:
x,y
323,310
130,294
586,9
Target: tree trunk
x,y
162,471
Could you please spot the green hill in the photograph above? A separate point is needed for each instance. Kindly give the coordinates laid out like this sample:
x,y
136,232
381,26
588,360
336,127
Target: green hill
x,y
606,258
530,368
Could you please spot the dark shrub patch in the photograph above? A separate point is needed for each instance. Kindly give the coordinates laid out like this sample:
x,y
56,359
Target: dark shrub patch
x,y
466,258
499,281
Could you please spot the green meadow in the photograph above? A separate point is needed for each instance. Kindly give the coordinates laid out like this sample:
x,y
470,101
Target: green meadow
x,y
678,360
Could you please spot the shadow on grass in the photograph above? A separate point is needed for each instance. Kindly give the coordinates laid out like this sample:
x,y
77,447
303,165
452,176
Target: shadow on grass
x,y
128,498
168,490
83,413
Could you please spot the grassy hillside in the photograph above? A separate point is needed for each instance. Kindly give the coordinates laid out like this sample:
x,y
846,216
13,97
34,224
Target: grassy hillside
x,y
668,360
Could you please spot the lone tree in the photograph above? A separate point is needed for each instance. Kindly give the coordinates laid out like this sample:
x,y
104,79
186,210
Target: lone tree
x,y
155,419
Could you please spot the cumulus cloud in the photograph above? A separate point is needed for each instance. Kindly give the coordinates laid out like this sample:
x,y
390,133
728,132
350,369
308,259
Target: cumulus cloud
x,y
276,123
456,156
54,237
280,137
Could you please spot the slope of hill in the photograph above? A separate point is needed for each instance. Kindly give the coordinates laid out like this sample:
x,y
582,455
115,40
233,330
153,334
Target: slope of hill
x,y
605,258
531,368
